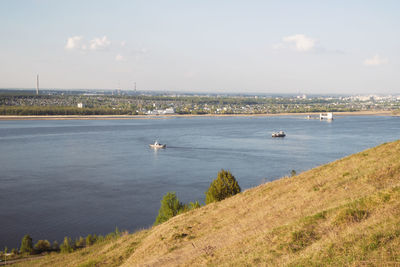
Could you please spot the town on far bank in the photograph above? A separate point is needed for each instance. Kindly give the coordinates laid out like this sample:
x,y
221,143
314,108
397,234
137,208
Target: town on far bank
x,y
119,102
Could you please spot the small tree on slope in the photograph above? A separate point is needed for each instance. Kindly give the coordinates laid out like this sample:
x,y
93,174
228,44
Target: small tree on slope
x,y
170,206
26,244
225,185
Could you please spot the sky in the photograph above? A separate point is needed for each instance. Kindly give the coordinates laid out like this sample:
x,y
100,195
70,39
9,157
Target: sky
x,y
310,47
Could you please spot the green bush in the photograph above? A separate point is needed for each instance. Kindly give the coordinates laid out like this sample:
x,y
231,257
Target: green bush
x,y
42,246
26,244
194,205
170,206
66,246
225,185
55,246
89,240
80,242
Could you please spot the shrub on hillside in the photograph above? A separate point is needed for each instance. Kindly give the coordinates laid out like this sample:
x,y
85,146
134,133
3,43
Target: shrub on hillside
x,y
26,244
225,185
89,240
80,242
66,246
170,206
42,246
55,246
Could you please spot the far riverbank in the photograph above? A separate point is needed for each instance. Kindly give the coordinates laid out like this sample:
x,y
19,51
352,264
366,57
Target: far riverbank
x,y
119,117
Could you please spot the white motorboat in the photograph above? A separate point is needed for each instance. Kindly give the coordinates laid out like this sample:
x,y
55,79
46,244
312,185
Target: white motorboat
x,y
157,145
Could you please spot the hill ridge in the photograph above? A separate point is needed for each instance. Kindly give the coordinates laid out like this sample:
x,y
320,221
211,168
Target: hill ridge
x,y
341,213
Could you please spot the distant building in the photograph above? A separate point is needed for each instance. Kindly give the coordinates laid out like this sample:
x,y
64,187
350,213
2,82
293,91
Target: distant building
x,y
169,111
81,105
152,112
304,96
161,111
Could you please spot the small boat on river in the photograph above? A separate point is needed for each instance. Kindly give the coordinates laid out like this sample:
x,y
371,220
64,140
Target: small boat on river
x,y
157,145
279,134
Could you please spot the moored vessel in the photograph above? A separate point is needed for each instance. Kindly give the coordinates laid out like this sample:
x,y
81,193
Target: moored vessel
x,y
279,134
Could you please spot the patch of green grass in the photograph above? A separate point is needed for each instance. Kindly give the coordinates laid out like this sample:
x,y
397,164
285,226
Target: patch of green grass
x,y
117,260
172,248
302,238
313,219
307,234
396,189
132,247
179,236
85,252
385,197
90,263
379,239
351,215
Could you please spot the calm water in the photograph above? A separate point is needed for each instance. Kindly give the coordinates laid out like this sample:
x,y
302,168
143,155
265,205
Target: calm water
x,y
75,177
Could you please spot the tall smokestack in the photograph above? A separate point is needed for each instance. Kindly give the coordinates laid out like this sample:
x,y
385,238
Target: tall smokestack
x,y
37,84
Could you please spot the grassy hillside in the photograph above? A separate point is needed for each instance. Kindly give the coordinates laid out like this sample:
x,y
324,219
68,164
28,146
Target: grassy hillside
x,y
343,213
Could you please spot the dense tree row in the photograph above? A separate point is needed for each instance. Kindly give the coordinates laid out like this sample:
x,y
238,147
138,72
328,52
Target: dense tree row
x,y
54,110
132,104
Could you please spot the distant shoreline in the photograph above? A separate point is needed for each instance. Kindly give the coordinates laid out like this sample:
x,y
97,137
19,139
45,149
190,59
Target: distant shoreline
x,y
143,117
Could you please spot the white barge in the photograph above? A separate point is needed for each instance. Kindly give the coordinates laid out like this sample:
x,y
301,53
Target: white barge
x,y
279,134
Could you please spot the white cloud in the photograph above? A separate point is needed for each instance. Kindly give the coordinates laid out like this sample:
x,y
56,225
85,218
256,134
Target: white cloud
x,y
78,43
119,57
123,43
73,43
375,61
99,43
302,43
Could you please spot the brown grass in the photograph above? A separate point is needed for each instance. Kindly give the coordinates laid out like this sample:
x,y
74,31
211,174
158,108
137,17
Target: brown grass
x,y
346,213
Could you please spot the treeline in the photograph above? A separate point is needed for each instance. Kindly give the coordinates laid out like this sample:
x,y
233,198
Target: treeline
x,y
54,110
67,246
200,100
321,109
224,186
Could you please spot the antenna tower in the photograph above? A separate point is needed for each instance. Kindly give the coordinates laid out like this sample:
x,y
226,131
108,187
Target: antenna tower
x,y
37,84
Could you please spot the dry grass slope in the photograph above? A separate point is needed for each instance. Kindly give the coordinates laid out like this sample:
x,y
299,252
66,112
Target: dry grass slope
x,y
340,214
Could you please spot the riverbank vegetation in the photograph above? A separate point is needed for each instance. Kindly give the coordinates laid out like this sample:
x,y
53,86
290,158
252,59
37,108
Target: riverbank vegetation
x,y
345,213
51,110
67,104
224,186
29,249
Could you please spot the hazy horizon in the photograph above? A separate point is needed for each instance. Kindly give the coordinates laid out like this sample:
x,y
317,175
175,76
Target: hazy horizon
x,y
212,92
284,47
